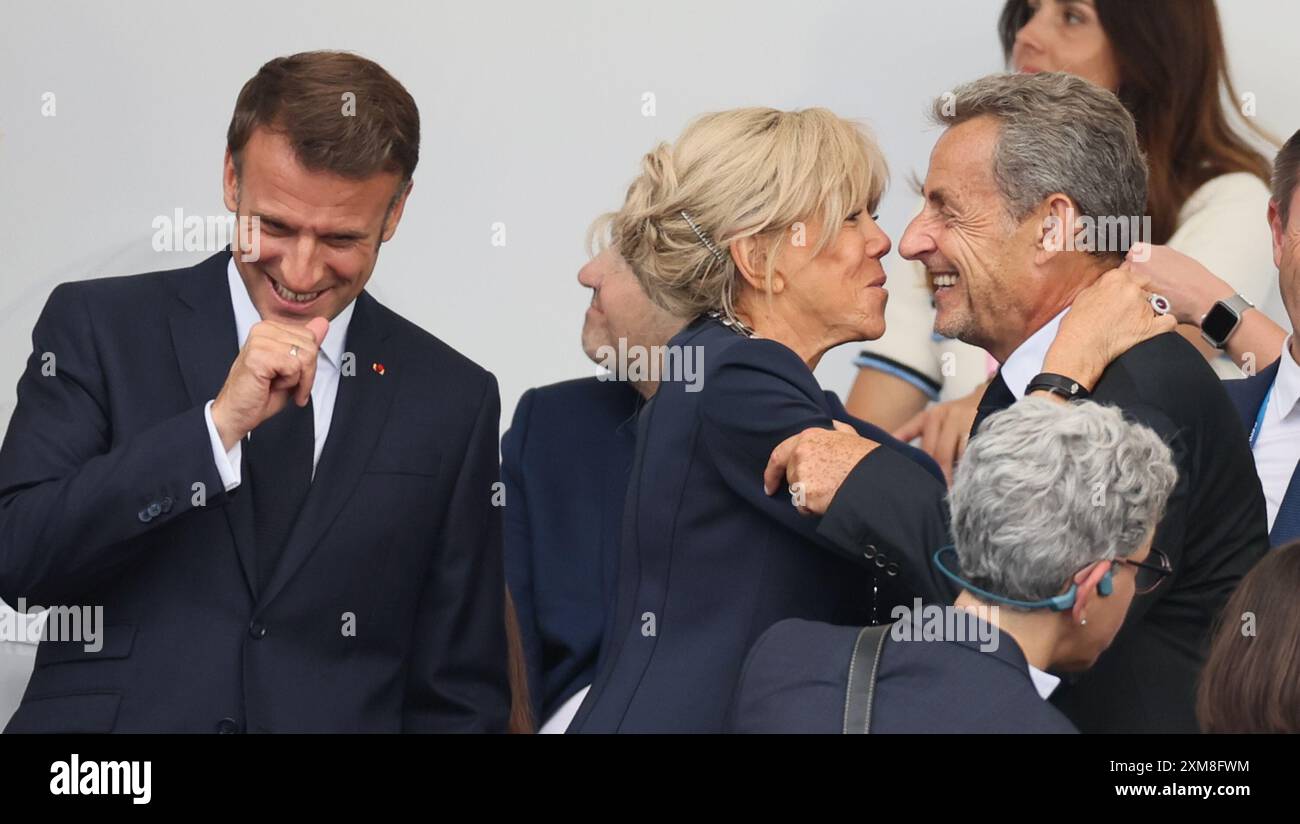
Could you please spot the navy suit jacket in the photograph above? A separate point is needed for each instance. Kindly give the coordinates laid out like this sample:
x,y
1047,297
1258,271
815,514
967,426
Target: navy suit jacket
x,y
386,610
795,678
708,560
1248,396
565,463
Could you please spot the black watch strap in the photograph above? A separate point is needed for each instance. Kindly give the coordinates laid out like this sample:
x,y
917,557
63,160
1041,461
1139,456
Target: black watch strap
x,y
1067,388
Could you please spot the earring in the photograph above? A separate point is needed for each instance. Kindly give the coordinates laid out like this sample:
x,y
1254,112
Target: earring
x,y
1083,622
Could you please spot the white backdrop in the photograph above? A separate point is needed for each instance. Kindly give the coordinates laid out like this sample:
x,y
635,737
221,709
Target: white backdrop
x,y
532,116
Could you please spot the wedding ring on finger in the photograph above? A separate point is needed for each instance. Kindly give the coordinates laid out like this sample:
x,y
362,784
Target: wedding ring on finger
x,y
1160,304
293,351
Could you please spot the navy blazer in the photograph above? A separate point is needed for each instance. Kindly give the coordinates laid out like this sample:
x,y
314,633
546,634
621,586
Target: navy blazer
x,y
386,610
708,560
565,462
795,678
1247,395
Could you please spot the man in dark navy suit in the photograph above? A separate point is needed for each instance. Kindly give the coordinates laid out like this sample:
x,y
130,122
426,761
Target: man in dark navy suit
x,y
1266,402
278,490
565,463
1269,402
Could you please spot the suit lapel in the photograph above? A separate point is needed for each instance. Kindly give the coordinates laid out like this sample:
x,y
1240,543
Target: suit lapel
x,y
203,329
360,411
1286,526
1247,394
618,468
206,343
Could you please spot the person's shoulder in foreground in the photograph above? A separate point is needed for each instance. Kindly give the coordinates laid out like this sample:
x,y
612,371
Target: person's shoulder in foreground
x,y
796,676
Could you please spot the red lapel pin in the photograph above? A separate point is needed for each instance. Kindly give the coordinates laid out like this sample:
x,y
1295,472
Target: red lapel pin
x,y
378,367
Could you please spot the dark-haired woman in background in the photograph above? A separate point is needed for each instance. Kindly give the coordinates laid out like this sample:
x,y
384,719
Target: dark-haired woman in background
x,y
1207,189
1251,682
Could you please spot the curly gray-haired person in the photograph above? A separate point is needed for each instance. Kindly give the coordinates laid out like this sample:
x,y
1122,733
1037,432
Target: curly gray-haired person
x,y
1053,511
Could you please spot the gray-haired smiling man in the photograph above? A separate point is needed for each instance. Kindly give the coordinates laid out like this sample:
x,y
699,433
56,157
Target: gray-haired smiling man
x,y
1019,150
278,489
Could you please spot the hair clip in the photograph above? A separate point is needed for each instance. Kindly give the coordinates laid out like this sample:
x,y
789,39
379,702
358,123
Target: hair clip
x,y
708,244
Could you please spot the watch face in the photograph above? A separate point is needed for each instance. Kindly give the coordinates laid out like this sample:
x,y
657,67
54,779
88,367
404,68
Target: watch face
x,y
1219,323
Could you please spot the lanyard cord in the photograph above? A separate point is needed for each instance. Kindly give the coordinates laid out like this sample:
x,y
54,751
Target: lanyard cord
x,y
1259,417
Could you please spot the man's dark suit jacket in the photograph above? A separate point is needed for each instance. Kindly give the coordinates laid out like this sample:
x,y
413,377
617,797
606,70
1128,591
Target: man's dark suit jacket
x,y
1213,532
565,463
1247,396
385,612
708,560
797,674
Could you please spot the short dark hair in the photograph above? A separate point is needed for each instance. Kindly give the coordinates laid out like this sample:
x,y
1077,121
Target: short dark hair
x,y
1286,174
302,96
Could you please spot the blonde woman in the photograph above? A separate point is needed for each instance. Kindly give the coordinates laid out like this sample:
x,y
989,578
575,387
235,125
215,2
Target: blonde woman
x,y
756,225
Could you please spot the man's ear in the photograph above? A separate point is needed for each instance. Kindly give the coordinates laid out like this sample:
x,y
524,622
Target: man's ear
x,y
1056,228
230,183
1087,580
1278,230
395,213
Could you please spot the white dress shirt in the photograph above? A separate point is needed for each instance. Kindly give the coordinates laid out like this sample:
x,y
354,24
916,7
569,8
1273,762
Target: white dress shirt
x,y
563,717
324,389
1044,682
1026,362
1277,444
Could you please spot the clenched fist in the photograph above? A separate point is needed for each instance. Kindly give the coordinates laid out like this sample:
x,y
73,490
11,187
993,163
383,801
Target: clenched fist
x,y
278,362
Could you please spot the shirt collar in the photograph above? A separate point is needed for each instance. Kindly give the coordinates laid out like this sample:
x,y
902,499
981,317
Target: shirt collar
x,y
1044,682
1026,362
1286,388
246,315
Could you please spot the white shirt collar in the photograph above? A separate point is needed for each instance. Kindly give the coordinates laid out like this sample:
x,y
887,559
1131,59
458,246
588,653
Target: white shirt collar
x,y
1044,682
1286,389
246,315
1026,362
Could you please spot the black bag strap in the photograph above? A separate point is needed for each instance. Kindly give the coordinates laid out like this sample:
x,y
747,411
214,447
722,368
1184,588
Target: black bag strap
x,y
863,668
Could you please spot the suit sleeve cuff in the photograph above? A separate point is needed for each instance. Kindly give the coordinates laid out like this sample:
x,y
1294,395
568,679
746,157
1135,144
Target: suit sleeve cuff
x,y
227,462
891,510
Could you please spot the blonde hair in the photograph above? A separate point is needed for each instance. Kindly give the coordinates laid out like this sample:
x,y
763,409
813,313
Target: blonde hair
x,y
741,173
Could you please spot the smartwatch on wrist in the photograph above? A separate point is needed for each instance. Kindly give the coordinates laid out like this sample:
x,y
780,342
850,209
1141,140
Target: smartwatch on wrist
x,y
1223,319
